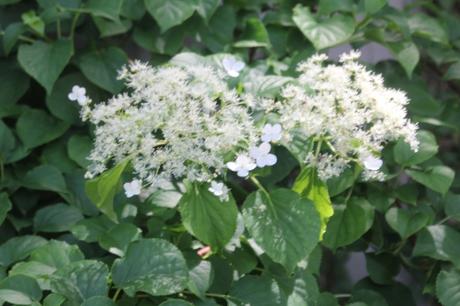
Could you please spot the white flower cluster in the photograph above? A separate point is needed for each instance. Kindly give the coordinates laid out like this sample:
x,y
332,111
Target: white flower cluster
x,y
175,122
347,111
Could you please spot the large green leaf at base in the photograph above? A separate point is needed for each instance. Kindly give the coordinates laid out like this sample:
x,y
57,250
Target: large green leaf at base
x,y
330,32
254,290
349,223
19,290
154,266
45,61
206,217
101,190
285,225
81,280
309,186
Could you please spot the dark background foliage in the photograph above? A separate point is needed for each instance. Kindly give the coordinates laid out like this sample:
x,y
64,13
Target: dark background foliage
x,y
56,248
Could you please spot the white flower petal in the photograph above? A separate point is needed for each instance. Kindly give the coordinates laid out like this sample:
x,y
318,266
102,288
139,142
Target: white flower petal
x,y
271,159
372,163
232,166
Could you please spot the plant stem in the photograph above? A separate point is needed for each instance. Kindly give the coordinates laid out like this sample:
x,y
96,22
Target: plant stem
x,y
117,293
74,25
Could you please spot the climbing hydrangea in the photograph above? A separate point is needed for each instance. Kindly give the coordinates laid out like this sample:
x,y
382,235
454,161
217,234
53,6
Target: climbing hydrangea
x,y
174,122
348,111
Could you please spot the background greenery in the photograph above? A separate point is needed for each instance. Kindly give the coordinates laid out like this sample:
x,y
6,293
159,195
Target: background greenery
x,y
57,249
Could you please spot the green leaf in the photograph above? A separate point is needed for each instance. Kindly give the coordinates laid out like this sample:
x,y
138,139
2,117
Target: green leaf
x,y
117,239
323,34
57,254
254,290
428,147
11,35
170,13
105,8
40,272
201,275
437,178
109,28
453,73
206,217
102,189
56,218
53,299
5,206
91,229
427,27
349,223
439,242
283,224
175,302
35,127
206,8
45,177
406,222
98,301
18,248
13,83
81,280
101,67
327,7
254,35
303,290
373,6
20,290
162,274
45,61
167,43
448,287
382,268
407,54
452,205
78,149
309,186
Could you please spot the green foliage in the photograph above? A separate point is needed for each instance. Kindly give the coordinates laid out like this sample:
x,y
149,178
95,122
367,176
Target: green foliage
x,y
68,242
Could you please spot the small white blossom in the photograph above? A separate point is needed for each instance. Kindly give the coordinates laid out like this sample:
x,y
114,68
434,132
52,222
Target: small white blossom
x,y
78,94
242,165
219,190
233,66
132,188
271,132
262,155
372,163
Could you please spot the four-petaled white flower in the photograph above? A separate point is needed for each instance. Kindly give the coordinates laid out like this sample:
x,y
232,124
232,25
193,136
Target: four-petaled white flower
x,y
372,163
219,190
242,165
232,66
132,188
271,132
262,155
78,94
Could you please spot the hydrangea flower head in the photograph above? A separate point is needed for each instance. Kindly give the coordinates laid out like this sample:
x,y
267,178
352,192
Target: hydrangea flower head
x,y
176,122
346,109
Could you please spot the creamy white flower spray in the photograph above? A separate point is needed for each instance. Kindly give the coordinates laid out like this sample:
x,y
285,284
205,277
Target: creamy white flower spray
x,y
175,122
347,111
